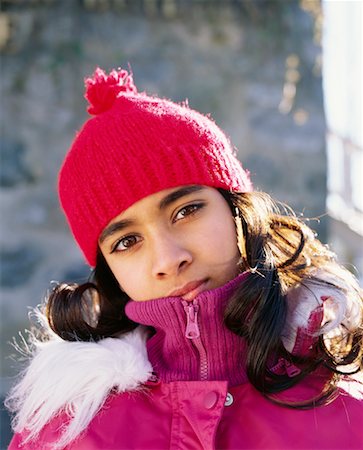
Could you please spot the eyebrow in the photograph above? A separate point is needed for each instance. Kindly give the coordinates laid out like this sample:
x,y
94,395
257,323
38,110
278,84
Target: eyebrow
x,y
179,193
163,204
114,228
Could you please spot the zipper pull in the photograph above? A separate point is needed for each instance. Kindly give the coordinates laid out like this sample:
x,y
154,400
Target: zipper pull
x,y
192,329
291,369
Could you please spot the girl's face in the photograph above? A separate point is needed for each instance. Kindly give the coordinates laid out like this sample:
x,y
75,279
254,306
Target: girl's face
x,y
177,242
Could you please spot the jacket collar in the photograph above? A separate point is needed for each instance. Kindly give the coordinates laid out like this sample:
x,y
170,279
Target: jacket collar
x,y
191,341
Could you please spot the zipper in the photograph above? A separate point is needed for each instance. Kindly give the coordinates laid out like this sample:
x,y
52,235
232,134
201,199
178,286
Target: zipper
x,y
283,365
192,332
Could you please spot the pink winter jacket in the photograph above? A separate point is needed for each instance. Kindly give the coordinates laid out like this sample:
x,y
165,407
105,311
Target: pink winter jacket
x,y
98,396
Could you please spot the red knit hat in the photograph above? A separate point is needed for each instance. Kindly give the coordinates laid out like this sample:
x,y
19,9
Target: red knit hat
x,y
137,145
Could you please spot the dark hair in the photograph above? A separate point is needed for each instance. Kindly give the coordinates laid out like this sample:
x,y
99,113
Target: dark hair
x,y
89,311
281,252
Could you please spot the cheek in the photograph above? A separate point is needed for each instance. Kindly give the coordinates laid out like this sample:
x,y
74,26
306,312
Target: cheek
x,y
219,240
225,234
133,287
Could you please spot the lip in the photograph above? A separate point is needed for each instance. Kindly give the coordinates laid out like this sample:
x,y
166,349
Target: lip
x,y
190,290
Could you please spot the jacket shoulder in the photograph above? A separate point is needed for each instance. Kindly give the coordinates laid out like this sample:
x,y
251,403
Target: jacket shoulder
x,y
75,378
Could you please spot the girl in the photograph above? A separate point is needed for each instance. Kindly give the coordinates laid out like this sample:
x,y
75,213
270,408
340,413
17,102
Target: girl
x,y
213,320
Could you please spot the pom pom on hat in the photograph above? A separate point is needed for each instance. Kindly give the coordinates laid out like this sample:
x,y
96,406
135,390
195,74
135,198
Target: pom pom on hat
x,y
102,90
135,146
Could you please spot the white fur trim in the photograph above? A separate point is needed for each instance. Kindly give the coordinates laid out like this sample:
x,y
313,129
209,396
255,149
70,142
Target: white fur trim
x,y
341,308
76,377
352,385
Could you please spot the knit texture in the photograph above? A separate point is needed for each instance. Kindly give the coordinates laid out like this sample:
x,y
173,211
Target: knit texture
x,y
137,145
176,358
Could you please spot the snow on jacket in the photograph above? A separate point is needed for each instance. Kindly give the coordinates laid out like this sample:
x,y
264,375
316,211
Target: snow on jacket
x,y
104,395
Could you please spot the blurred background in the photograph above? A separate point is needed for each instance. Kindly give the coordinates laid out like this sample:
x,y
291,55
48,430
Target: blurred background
x,y
282,78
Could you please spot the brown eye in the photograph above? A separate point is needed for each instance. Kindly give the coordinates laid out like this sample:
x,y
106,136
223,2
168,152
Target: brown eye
x,y
125,243
188,210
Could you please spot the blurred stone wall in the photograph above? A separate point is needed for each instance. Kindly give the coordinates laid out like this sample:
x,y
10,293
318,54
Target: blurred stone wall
x,y
253,66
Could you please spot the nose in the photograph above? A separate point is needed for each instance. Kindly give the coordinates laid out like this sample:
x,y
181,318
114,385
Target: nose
x,y
169,256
